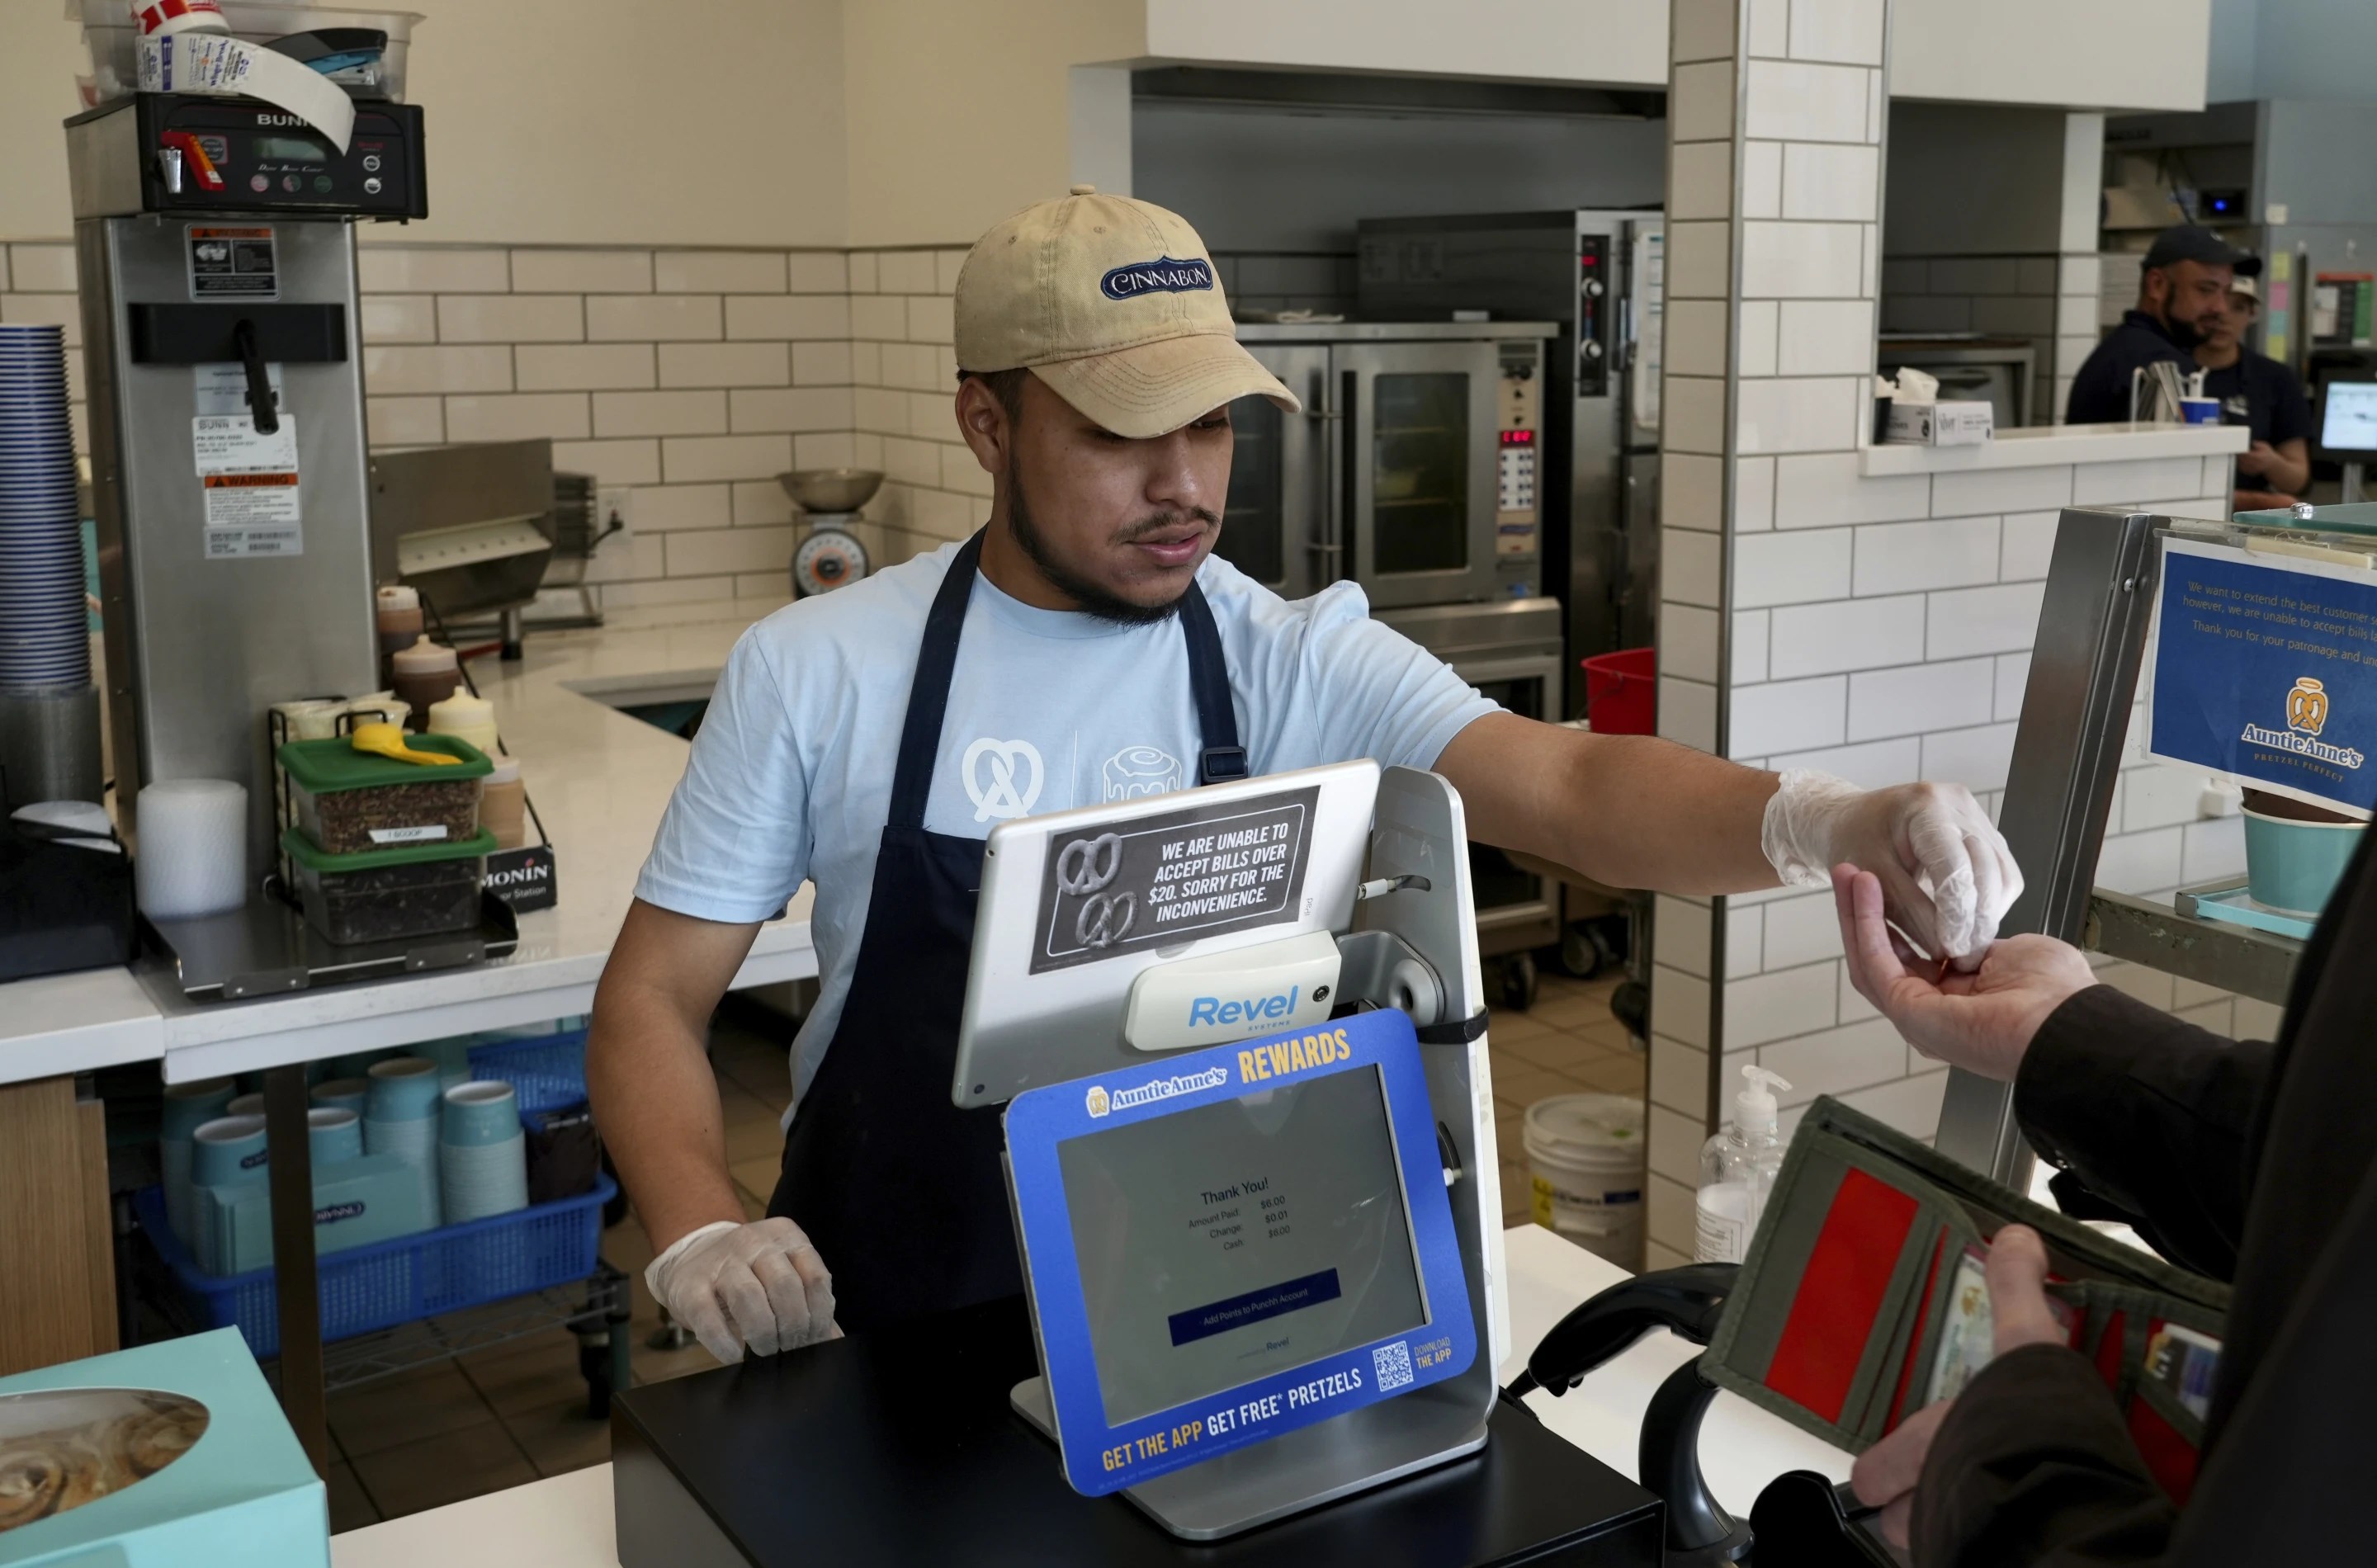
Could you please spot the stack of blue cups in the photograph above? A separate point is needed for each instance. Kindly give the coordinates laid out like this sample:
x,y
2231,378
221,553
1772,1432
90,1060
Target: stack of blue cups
x,y
49,708
187,1108
483,1153
400,1119
225,1151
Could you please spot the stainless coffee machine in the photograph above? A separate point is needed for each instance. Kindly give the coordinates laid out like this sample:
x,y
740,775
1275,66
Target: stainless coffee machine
x,y
215,251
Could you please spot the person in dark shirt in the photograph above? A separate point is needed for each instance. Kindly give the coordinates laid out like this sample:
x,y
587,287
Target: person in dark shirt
x,y
2183,285
2263,395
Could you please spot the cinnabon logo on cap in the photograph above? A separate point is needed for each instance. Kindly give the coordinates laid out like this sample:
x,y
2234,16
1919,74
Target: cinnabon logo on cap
x,y
1163,275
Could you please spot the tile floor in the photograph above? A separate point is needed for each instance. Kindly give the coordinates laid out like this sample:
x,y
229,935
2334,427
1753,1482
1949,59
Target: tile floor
x,y
1569,1043
518,1413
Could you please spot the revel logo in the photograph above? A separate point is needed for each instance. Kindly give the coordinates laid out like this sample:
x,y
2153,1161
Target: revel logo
x,y
1163,275
1218,1011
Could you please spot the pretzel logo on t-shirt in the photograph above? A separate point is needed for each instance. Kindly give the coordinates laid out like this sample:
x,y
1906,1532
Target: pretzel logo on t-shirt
x,y
990,771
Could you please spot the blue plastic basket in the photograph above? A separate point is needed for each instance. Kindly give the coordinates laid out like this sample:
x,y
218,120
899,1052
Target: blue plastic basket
x,y
547,1071
401,1280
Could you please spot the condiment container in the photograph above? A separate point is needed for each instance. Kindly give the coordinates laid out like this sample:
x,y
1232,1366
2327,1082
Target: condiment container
x,y
503,804
466,717
424,674
397,610
349,801
389,894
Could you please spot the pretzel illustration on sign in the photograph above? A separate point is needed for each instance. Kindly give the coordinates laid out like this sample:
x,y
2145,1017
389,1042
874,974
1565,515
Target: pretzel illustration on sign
x,y
1089,865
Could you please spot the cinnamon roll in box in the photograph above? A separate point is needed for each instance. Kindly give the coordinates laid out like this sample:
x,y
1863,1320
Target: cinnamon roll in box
x,y
157,1457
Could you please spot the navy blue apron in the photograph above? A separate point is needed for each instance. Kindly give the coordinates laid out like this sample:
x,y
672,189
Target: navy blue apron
x,y
900,1189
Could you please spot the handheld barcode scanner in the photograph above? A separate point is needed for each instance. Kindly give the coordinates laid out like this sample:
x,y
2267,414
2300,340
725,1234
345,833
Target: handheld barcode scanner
x,y
1240,1036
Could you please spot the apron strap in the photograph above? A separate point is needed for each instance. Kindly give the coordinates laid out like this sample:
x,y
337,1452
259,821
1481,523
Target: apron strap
x,y
1223,758
928,694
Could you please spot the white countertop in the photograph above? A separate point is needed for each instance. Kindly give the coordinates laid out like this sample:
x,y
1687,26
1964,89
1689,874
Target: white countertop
x,y
75,1023
2041,446
600,780
567,1522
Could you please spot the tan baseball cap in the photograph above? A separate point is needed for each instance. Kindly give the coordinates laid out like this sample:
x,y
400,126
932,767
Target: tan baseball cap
x,y
1114,304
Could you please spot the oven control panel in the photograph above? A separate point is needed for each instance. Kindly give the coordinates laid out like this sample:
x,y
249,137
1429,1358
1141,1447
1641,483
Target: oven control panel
x,y
1519,446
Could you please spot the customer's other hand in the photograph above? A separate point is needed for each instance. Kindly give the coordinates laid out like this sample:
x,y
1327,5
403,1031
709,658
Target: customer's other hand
x,y
1982,1022
759,1287
1885,1475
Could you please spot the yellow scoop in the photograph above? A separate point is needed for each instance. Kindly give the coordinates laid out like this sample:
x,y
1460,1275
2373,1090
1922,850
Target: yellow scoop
x,y
387,740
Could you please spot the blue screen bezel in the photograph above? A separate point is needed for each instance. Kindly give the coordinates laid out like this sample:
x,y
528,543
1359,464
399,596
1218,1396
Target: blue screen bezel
x,y
1100,1458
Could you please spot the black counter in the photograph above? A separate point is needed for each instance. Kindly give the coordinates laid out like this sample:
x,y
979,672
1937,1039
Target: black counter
x,y
899,1447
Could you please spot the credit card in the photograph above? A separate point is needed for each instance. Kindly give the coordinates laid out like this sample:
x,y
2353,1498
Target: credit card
x,y
2183,1361
1968,1330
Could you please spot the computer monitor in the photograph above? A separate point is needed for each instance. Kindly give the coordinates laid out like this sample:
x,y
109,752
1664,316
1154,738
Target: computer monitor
x,y
2347,421
1227,1244
1076,905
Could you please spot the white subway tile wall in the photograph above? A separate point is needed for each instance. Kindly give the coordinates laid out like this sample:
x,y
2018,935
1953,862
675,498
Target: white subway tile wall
x,y
1881,627
693,376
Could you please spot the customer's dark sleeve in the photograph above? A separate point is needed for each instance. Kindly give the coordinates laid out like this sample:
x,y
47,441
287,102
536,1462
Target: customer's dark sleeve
x,y
2153,1114
2289,410
2034,1468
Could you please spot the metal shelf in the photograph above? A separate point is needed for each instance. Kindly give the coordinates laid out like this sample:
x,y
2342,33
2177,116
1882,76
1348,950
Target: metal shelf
x,y
2177,941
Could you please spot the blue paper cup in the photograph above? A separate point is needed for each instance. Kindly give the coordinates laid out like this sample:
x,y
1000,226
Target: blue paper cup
x,y
347,1094
403,1088
334,1134
2291,865
481,1180
479,1114
227,1151
2200,411
189,1106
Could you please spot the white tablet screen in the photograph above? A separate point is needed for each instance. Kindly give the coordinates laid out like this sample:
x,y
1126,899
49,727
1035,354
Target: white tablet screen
x,y
1241,1239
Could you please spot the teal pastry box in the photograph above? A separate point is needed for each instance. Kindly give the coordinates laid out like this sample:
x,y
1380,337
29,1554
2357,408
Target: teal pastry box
x,y
170,1456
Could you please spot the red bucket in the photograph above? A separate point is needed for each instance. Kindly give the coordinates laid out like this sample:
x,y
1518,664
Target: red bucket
x,y
1621,691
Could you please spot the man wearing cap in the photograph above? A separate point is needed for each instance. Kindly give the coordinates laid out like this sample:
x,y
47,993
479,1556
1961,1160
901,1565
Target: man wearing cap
x,y
2263,395
2182,289
1085,646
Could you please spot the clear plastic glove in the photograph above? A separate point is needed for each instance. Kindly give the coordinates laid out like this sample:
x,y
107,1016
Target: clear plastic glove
x,y
1947,877
759,1287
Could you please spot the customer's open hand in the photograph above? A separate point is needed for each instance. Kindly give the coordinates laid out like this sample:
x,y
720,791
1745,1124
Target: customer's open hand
x,y
1885,1475
1982,1022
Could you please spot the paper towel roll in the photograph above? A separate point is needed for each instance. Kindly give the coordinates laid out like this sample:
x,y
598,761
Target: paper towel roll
x,y
192,852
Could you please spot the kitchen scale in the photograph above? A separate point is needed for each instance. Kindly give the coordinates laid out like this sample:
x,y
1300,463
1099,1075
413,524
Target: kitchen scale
x,y
830,557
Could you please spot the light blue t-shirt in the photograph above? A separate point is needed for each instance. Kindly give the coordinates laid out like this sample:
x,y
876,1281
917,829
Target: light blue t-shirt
x,y
790,778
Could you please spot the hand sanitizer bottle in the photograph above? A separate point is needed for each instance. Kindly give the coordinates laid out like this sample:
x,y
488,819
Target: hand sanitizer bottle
x,y
1738,1170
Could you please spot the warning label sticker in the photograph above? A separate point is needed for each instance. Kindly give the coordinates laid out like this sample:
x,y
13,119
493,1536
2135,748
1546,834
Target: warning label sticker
x,y
233,263
252,514
229,443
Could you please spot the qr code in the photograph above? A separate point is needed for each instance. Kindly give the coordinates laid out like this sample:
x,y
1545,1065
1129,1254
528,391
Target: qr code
x,y
1394,1364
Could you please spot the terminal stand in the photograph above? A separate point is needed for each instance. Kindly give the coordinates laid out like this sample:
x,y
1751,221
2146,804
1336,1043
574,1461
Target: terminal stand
x,y
1419,842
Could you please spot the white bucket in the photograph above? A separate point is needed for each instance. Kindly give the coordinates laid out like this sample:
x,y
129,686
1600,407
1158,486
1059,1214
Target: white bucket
x,y
1585,1153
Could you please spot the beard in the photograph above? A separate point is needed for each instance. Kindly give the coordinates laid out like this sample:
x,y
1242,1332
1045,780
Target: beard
x,y
2185,333
1093,599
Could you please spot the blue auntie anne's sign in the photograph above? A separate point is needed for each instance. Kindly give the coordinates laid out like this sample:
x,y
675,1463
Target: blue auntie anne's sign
x,y
2265,669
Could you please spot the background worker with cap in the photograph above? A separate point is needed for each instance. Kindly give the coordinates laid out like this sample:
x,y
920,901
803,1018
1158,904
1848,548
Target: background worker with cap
x,y
867,741
2183,287
2258,392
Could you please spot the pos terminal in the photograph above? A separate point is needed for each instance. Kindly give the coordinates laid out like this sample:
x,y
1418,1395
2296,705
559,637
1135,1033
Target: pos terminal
x,y
1238,1041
